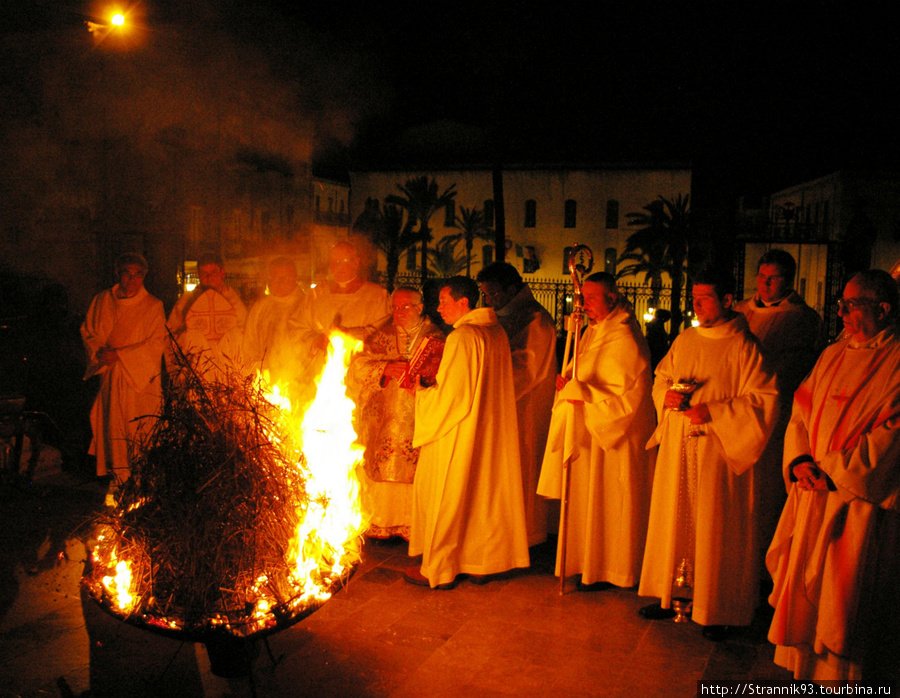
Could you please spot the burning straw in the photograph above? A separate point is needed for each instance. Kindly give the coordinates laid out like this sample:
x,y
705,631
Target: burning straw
x,y
212,522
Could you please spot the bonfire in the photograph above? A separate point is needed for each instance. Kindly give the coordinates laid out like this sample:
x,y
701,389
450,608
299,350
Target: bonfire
x,y
241,515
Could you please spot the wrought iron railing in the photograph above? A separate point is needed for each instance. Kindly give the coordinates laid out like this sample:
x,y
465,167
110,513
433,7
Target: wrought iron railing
x,y
556,296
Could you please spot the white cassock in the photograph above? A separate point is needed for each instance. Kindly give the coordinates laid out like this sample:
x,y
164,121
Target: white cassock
x,y
611,469
713,470
468,513
792,337
359,308
532,340
267,344
210,324
136,328
835,558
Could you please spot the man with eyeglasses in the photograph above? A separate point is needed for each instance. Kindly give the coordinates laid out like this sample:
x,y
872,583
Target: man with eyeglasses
x,y
835,558
532,340
386,413
792,337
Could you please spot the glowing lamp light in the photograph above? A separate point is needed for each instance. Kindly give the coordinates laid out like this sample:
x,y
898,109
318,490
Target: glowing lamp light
x,y
189,286
117,20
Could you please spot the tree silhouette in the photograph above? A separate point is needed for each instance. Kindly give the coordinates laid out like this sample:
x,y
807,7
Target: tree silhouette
x,y
661,245
421,201
389,233
472,226
444,260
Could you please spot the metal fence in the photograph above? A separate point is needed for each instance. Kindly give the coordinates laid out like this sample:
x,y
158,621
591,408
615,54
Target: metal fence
x,y
556,296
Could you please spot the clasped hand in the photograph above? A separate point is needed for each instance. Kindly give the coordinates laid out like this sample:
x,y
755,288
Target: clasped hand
x,y
809,477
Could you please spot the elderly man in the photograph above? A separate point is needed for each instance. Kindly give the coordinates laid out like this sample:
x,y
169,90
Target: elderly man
x,y
345,303
835,558
602,420
716,403
124,333
468,514
386,413
208,322
267,346
532,340
792,337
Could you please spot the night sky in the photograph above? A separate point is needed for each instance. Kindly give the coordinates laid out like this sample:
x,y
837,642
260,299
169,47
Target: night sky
x,y
756,96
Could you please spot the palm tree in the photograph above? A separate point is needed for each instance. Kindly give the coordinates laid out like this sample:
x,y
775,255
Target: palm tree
x,y
388,233
421,201
472,226
660,246
444,259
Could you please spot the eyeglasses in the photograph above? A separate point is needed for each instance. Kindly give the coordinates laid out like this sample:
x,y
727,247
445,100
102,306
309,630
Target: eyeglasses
x,y
400,308
848,305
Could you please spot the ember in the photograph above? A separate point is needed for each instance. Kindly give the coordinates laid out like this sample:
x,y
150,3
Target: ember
x,y
240,514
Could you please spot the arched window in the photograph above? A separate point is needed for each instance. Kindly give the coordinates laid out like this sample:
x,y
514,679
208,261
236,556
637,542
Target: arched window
x,y
612,213
571,213
489,213
530,213
450,214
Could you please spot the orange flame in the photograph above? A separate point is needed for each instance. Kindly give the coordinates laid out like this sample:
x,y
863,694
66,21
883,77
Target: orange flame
x,y
326,545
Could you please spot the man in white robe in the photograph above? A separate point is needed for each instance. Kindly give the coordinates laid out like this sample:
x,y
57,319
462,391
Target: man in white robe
x,y
532,340
386,414
267,345
124,333
703,509
468,511
345,302
602,420
792,338
835,558
208,322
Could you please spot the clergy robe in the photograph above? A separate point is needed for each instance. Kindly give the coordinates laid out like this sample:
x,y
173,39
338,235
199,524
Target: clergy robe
x,y
741,395
359,308
611,469
835,558
130,388
792,336
532,340
468,511
385,416
267,345
210,324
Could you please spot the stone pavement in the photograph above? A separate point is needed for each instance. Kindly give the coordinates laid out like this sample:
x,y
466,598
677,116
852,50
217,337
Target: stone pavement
x,y
379,636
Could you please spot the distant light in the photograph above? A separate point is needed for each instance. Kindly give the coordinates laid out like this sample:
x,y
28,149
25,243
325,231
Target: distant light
x,y
312,285
695,323
189,286
648,317
118,19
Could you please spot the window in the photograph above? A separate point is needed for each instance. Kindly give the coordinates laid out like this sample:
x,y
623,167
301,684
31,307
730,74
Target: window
x,y
450,214
571,213
566,252
609,260
411,258
195,230
487,254
612,213
489,213
530,213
